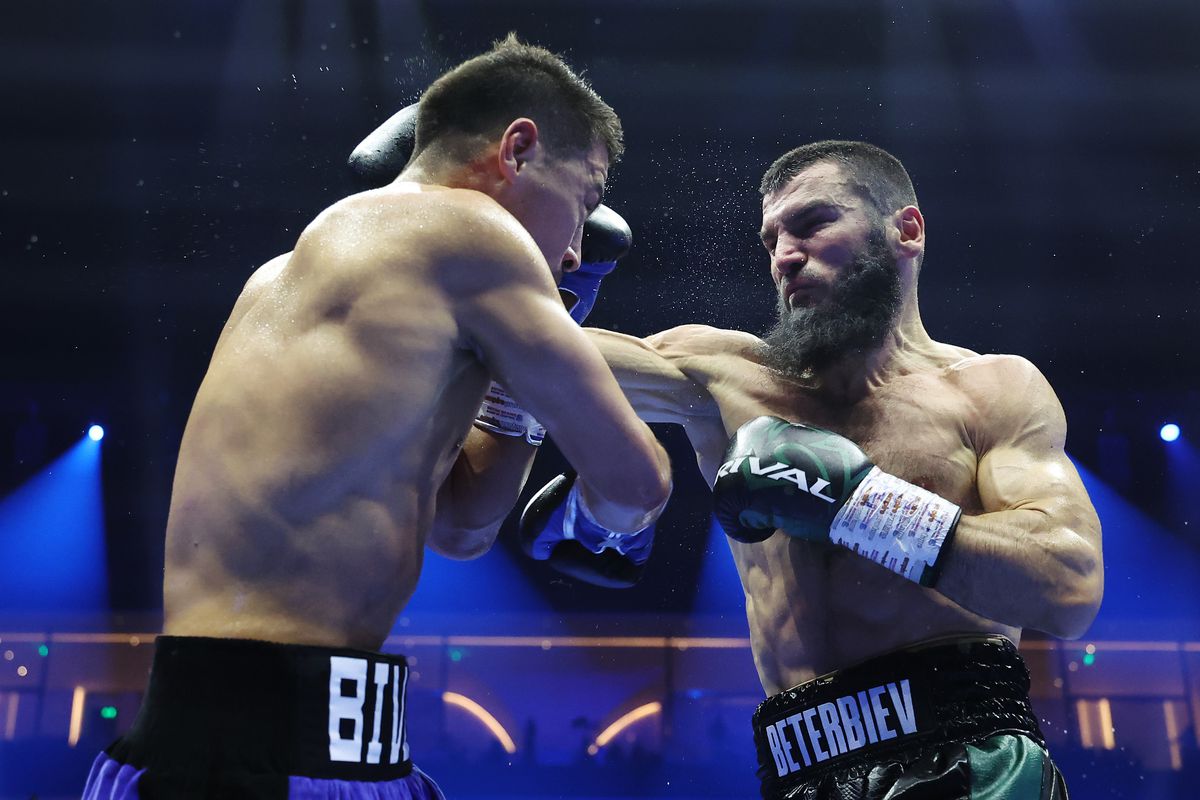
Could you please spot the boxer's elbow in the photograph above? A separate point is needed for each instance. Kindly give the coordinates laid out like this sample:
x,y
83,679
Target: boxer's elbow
x,y
649,494
658,488
624,504
1078,587
1071,619
645,487
462,544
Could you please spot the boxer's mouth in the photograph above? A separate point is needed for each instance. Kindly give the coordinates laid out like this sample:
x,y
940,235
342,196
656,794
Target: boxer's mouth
x,y
802,294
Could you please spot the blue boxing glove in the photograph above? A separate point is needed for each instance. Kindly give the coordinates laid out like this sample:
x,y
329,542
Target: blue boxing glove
x,y
606,238
817,485
556,527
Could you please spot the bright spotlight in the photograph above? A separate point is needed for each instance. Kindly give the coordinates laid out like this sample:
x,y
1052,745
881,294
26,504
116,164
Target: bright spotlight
x,y
95,433
1169,432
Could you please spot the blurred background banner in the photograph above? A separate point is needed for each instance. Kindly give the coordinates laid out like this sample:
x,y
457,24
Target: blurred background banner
x,y
155,153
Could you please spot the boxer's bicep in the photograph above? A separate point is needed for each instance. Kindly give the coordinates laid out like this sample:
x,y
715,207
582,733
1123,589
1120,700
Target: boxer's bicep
x,y
1015,479
1024,464
1025,476
656,388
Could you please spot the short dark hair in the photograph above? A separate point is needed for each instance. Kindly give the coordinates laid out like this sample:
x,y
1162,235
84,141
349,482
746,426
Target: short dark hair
x,y
481,96
879,174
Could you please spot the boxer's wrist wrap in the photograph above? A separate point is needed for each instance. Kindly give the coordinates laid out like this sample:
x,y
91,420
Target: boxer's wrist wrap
x,y
897,525
500,413
892,708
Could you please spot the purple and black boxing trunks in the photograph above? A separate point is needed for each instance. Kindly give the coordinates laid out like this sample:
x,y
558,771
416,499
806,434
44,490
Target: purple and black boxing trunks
x,y
948,719
246,719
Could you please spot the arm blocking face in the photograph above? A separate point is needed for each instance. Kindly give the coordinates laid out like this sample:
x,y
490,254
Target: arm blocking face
x,y
512,316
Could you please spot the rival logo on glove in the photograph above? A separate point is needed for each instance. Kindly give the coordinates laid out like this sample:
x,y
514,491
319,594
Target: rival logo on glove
x,y
778,472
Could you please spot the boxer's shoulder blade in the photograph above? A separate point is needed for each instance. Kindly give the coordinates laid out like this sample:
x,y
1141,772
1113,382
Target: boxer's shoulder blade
x,y
404,218
370,258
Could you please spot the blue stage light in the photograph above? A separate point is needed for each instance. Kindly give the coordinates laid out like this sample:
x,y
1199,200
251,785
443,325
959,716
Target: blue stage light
x,y
1151,571
52,548
1169,432
95,433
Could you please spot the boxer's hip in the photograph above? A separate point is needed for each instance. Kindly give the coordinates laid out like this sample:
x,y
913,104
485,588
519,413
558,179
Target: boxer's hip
x,y
242,718
947,719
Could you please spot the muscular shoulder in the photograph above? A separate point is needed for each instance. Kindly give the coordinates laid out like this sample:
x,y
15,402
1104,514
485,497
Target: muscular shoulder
x,y
454,231
1009,399
689,341
994,375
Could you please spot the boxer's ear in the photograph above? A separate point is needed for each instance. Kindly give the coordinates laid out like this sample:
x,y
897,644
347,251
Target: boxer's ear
x,y
910,225
518,145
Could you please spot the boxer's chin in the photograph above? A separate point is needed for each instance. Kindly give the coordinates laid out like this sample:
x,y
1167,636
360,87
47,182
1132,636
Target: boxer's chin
x,y
853,319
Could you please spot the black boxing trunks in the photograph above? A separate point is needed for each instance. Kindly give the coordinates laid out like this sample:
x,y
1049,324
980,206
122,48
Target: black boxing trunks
x,y
948,719
233,718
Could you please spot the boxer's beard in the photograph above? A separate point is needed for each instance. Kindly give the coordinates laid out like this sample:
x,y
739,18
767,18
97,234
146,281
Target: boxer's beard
x,y
854,318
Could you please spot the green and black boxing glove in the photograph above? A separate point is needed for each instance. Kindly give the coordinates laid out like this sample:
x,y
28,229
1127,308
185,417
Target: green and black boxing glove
x,y
819,486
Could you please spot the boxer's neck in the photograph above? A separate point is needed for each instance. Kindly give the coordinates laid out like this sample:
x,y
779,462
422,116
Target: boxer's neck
x,y
904,349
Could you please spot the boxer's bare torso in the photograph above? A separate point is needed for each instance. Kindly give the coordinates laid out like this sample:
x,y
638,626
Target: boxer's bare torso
x,y
812,607
336,402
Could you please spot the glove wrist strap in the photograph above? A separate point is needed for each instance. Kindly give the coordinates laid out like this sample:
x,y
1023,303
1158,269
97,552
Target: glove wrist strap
x,y
896,524
499,413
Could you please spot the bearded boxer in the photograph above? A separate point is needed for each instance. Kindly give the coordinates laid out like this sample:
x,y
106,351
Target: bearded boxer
x,y
899,509
332,441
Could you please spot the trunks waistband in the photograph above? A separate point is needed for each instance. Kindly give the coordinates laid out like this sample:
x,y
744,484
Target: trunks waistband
x,y
234,705
956,689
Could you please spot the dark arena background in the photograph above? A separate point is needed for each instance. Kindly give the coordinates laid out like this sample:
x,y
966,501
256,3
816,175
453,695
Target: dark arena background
x,y
154,153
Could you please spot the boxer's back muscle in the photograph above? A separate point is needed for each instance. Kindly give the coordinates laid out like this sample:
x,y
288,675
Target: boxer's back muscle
x,y
813,608
334,405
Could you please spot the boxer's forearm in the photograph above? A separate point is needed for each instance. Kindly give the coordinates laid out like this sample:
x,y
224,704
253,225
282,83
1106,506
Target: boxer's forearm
x,y
1025,568
479,492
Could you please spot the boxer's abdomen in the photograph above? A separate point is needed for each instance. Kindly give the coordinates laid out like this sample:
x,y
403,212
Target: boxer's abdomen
x,y
816,608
